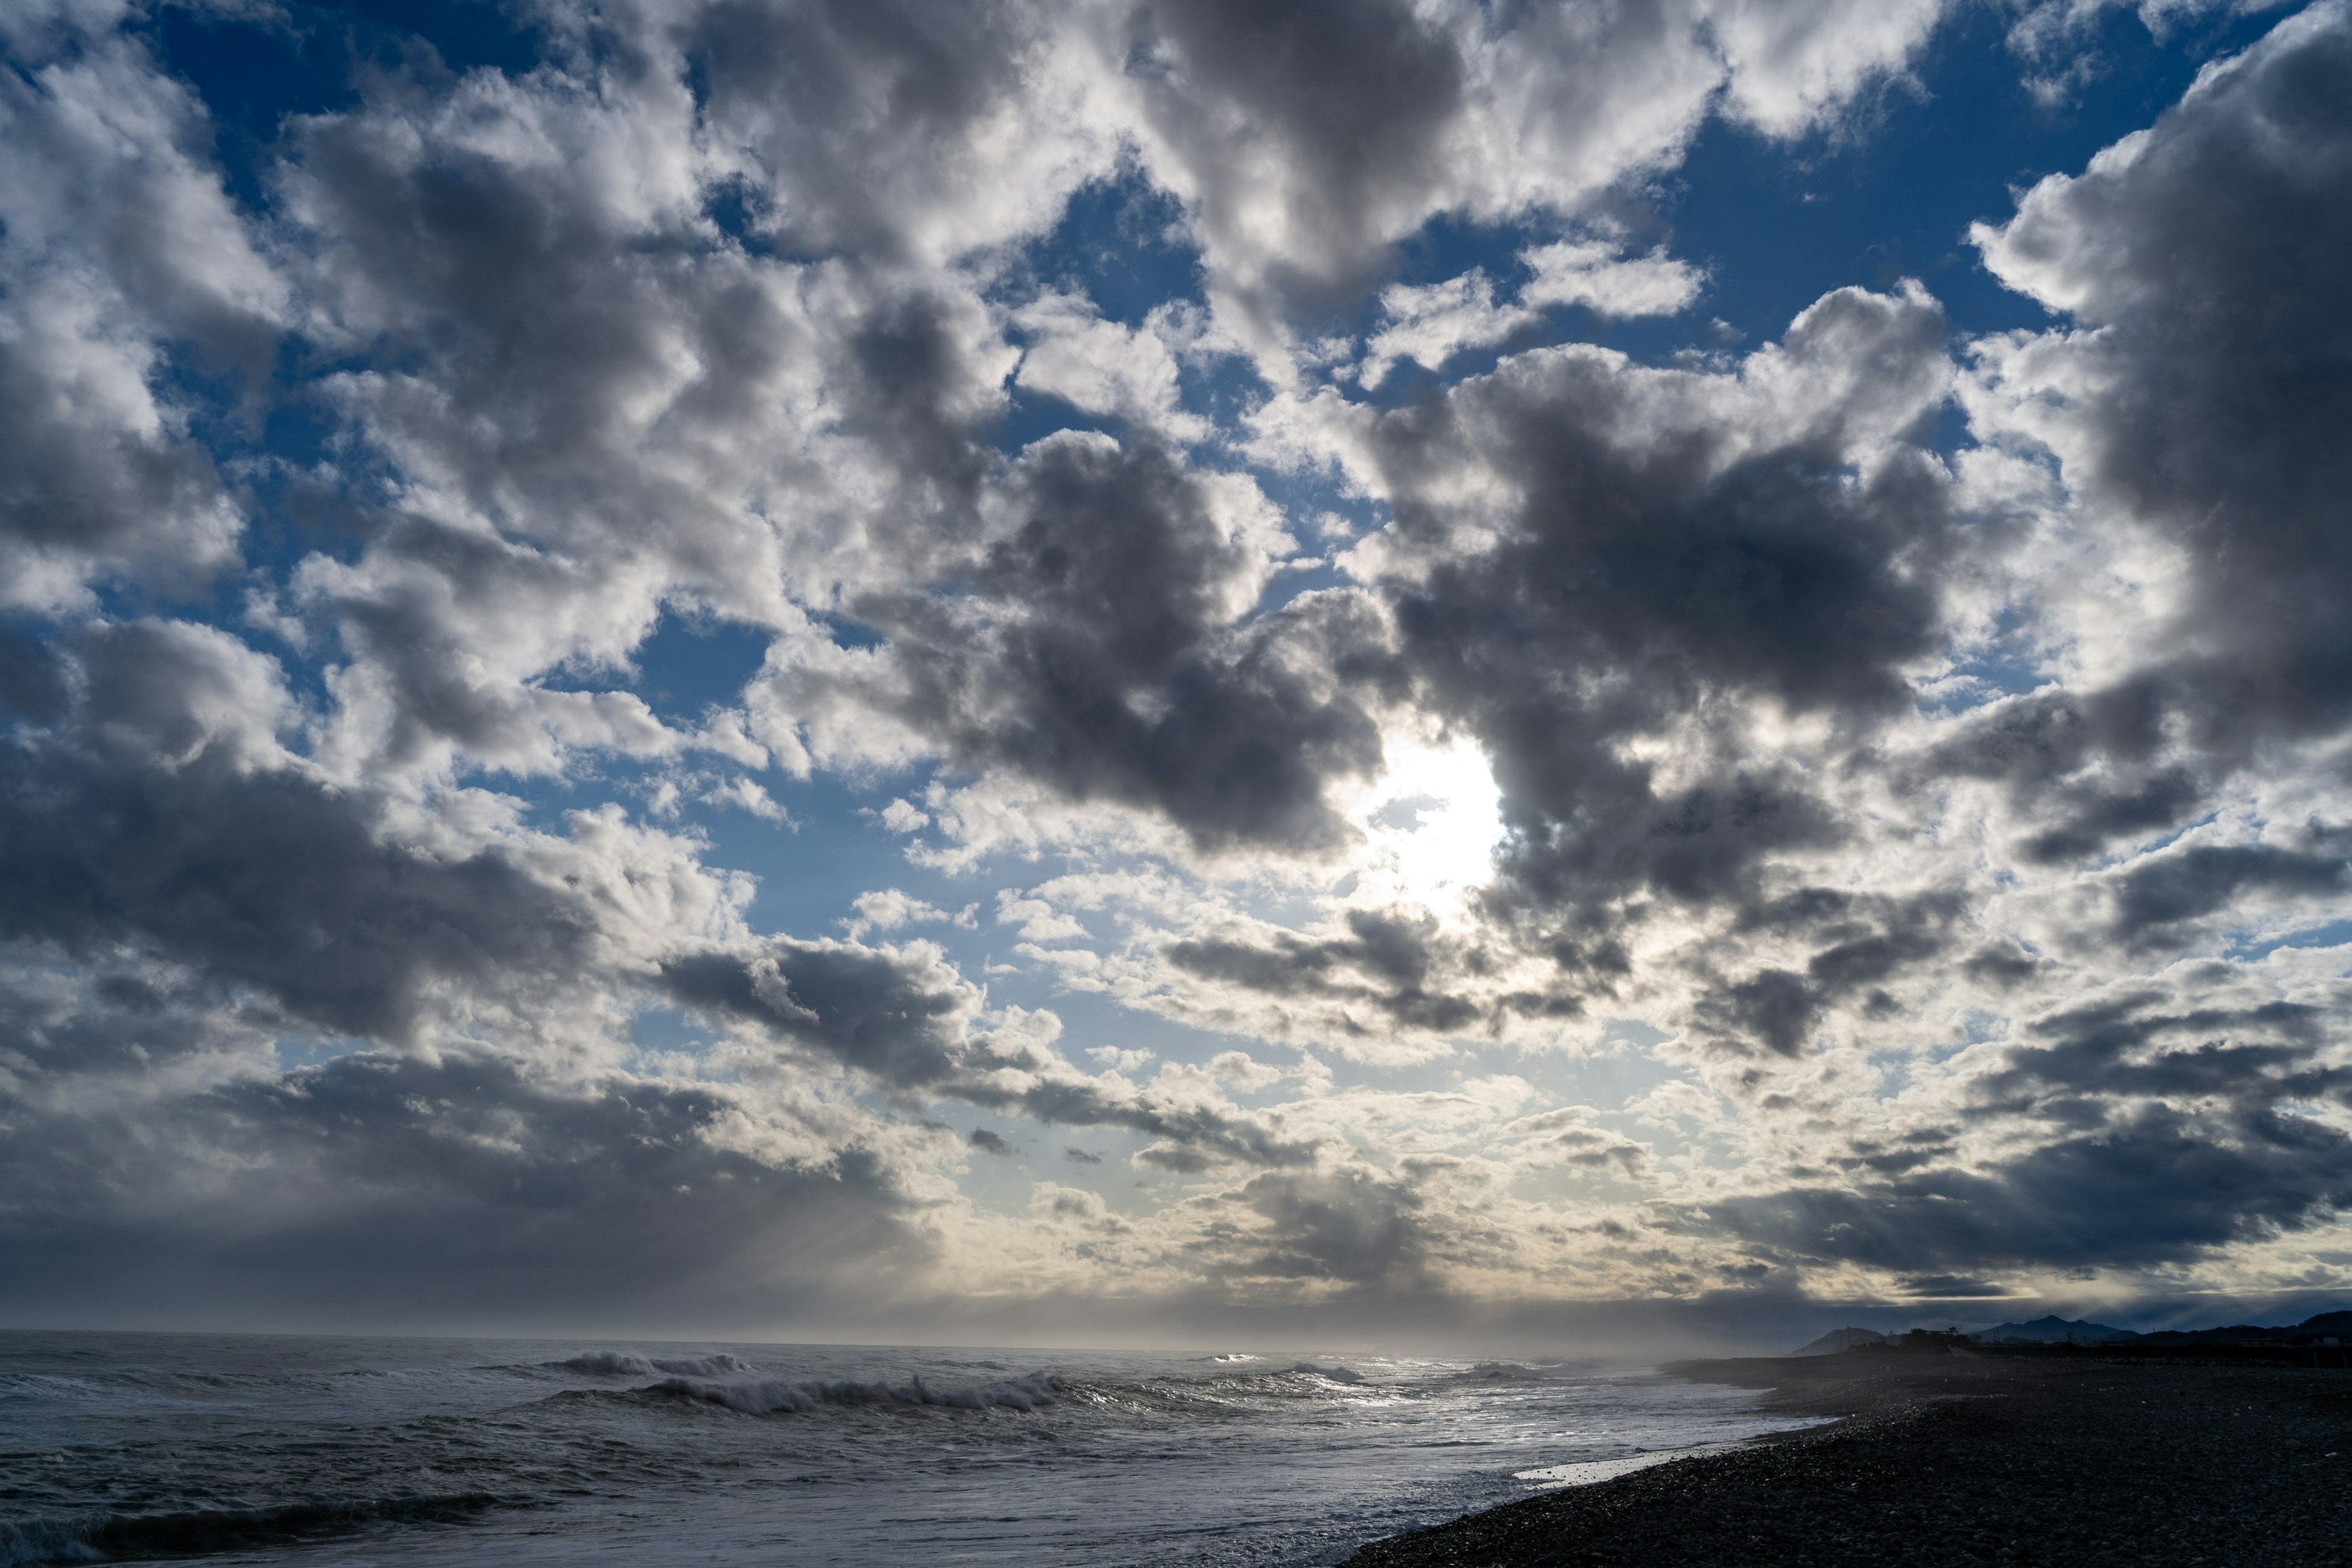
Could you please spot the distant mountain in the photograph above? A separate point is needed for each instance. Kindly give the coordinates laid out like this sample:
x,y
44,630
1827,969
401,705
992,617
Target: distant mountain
x,y
2053,1330
2326,1325
2056,1329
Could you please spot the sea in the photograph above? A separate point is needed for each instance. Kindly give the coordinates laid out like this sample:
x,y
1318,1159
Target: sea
x,y
350,1451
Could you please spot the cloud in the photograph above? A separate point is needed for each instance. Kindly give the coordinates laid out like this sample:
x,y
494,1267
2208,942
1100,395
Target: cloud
x,y
1102,367
1569,1136
121,253
2158,893
1099,648
1666,539
1393,965
890,909
2199,392
911,1025
892,132
165,815
2154,1186
1925,838
1346,1225
377,1188
1592,274
1432,324
1303,160
1790,66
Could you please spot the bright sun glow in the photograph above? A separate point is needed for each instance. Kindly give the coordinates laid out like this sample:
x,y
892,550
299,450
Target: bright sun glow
x,y
1431,823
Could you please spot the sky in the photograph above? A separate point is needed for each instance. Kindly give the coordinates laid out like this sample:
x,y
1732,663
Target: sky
x,y
1093,672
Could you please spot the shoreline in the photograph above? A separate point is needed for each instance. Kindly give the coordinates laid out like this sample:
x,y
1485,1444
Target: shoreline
x,y
1942,1460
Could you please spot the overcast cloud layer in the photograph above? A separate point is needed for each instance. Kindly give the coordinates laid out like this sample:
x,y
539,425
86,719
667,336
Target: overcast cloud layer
x,y
777,667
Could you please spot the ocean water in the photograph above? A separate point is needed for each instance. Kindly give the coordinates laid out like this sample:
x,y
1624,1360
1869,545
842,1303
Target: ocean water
x,y
279,1449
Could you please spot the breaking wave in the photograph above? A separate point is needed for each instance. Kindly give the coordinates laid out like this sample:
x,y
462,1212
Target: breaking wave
x,y
204,1531
1328,1373
622,1364
776,1396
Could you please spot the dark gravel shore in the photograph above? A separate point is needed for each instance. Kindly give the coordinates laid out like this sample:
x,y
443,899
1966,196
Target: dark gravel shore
x,y
1961,1458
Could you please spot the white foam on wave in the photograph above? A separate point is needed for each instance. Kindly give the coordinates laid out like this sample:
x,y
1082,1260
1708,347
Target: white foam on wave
x,y
622,1364
775,1396
1589,1471
1330,1374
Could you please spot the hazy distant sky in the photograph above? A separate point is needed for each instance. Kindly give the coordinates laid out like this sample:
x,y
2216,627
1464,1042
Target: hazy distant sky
x,y
1095,669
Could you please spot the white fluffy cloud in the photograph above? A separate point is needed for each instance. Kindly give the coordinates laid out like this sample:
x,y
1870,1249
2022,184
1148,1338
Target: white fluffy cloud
x,y
120,251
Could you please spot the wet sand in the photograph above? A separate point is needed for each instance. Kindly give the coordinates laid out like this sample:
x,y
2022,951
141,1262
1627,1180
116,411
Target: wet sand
x,y
1961,1458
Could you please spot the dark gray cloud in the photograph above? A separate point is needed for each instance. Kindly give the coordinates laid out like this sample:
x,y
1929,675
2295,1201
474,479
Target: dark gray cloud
x,y
1308,139
2159,894
156,819
2166,1133
32,681
382,1189
850,118
910,1024
1775,1007
904,1020
1348,1225
2216,377
2151,1186
2096,817
1655,568
1384,962
1099,648
1352,101
80,497
1866,941
2083,769
2254,1059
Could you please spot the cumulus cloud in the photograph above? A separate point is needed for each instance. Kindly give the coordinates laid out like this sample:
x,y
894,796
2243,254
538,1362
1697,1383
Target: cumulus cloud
x,y
2199,392
910,1024
1101,368
1644,547
1102,647
119,246
1307,145
1931,836
1432,324
890,909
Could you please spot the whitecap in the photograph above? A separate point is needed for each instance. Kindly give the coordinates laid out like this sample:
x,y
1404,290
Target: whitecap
x,y
624,1364
772,1397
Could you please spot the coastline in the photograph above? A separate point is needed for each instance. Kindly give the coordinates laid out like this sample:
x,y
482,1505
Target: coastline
x,y
1961,1458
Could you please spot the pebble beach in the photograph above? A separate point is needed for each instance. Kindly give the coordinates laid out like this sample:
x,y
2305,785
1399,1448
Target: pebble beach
x,y
1957,1459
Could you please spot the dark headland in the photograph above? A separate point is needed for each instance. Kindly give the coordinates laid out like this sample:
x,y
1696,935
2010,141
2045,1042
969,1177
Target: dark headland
x,y
1957,1454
